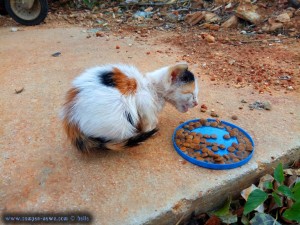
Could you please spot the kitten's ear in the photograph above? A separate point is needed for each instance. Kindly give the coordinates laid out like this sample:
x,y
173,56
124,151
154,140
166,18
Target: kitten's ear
x,y
175,71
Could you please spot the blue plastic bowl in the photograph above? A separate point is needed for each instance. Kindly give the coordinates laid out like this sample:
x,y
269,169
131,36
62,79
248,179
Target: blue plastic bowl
x,y
220,133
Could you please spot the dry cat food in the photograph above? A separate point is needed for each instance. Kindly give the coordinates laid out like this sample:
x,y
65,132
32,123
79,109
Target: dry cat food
x,y
212,148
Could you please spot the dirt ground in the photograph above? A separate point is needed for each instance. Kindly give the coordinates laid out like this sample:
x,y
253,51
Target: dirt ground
x,y
233,68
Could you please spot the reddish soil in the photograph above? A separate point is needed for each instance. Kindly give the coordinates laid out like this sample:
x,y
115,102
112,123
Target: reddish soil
x,y
268,63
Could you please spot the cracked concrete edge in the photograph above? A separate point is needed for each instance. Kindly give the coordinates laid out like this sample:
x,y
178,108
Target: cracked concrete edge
x,y
213,199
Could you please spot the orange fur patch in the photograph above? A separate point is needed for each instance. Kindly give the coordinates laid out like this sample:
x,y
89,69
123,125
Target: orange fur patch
x,y
188,88
71,95
124,84
72,130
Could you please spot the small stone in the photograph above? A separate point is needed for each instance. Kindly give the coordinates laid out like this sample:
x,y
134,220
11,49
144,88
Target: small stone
x,y
14,29
267,106
232,22
56,54
241,107
193,19
100,34
202,110
290,88
19,90
117,47
239,79
243,101
275,26
231,61
209,38
214,114
234,117
203,106
211,17
249,12
283,18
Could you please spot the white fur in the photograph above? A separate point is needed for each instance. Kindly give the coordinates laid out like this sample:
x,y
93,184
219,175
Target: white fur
x,y
99,110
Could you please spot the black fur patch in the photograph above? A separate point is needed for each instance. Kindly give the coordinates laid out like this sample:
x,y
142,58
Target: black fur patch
x,y
99,139
129,118
106,79
140,138
99,142
79,143
187,77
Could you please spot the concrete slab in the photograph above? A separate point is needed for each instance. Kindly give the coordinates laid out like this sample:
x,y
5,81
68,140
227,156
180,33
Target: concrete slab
x,y
149,184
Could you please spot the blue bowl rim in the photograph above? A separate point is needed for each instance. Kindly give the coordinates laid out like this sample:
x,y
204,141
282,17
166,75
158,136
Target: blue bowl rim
x,y
212,165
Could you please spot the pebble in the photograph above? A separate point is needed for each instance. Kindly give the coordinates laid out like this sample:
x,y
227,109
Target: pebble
x,y
214,114
14,29
56,54
234,117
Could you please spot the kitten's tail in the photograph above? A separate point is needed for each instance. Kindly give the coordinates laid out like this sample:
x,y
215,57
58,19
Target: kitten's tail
x,y
133,141
85,144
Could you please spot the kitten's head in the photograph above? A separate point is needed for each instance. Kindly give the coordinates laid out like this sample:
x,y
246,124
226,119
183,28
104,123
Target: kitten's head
x,y
183,92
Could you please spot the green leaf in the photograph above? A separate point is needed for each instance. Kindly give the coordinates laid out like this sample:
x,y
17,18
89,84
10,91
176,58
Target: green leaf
x,y
296,191
278,174
293,213
263,219
245,220
224,210
277,199
286,191
268,185
255,198
229,218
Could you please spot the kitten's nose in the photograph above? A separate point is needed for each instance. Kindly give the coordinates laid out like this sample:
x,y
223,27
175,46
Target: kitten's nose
x,y
195,103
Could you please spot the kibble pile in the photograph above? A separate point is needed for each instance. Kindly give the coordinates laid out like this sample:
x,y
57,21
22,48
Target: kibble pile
x,y
204,147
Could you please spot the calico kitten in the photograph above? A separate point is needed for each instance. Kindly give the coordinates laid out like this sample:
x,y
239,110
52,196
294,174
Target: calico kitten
x,y
115,106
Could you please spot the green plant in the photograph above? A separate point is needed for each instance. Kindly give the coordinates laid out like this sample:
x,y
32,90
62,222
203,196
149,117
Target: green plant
x,y
286,198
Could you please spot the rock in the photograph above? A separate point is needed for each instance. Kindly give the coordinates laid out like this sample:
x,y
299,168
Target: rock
x,y
290,11
194,18
56,54
239,79
19,90
275,26
249,12
297,13
283,18
211,17
211,26
234,117
117,47
13,29
203,106
290,88
100,34
232,22
267,106
214,114
231,61
209,38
